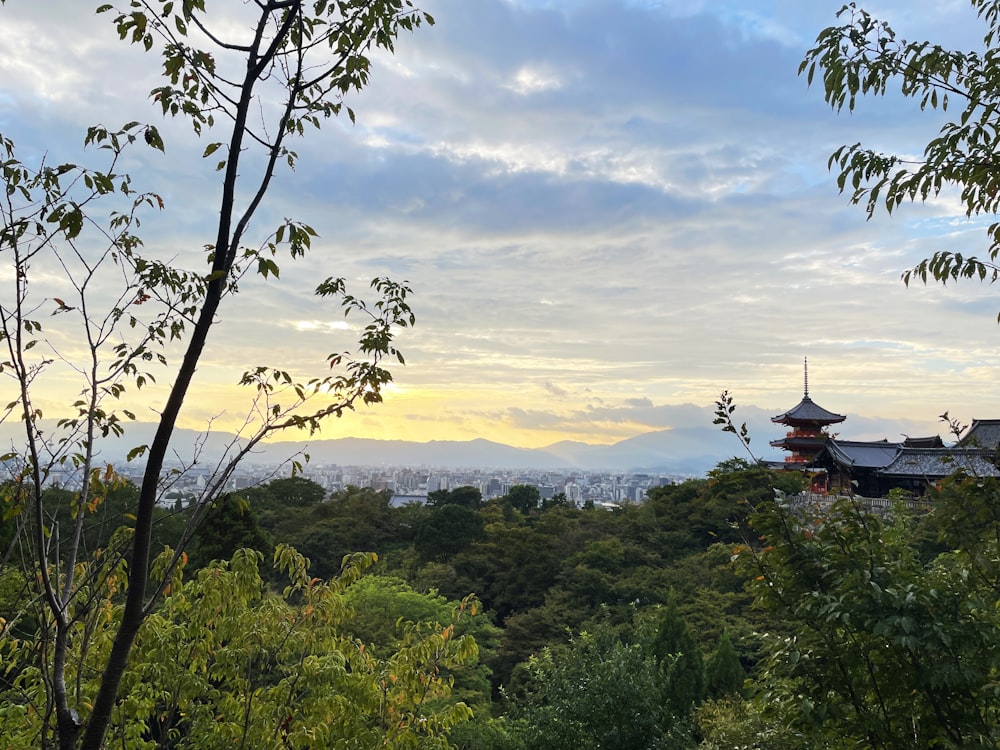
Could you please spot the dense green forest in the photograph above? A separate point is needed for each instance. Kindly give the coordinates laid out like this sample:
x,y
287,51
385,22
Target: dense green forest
x,y
714,615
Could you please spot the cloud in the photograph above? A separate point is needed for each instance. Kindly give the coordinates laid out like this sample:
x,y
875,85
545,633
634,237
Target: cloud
x,y
531,80
608,211
555,390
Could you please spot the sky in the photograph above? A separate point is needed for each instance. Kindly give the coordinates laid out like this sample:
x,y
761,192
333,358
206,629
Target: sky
x,y
609,211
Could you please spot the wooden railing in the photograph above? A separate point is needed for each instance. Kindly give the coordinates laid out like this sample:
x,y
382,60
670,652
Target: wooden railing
x,y
875,504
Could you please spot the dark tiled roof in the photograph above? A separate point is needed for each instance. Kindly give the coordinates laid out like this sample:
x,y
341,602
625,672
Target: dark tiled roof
x,y
862,454
934,441
940,462
808,411
984,433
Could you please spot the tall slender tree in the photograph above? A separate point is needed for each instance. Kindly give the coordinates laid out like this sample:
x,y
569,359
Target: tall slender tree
x,y
250,87
680,660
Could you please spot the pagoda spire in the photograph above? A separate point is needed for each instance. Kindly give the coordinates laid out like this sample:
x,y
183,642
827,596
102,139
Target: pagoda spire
x,y
805,384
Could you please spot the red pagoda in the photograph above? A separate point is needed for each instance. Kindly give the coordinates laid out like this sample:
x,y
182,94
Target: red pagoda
x,y
808,422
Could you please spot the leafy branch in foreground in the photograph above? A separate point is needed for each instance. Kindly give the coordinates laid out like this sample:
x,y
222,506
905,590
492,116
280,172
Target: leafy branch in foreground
x,y
223,662
724,410
863,56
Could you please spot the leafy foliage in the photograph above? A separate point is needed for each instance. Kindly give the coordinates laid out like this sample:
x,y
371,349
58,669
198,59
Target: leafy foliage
x,y
447,530
598,692
383,609
732,723
229,526
724,675
680,661
523,497
863,56
351,520
470,497
878,644
547,574
225,663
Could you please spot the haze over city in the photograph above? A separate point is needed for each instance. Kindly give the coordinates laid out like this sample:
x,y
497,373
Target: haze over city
x,y
608,212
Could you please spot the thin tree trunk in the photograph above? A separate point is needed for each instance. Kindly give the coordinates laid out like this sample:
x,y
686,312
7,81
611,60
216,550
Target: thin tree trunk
x,y
133,615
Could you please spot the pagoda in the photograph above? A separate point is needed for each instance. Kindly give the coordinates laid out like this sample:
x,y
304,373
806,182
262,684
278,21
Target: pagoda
x,y
808,422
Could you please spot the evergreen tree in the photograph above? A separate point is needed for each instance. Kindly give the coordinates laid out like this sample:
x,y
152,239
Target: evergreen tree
x,y
724,674
680,660
230,525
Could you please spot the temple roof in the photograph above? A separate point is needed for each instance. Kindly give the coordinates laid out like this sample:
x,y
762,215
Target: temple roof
x,y
808,411
862,454
900,460
940,462
984,433
932,441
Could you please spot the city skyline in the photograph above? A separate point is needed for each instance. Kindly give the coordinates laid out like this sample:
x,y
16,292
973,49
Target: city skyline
x,y
608,211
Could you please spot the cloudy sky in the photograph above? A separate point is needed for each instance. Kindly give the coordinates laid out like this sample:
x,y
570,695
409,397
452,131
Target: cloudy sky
x,y
609,211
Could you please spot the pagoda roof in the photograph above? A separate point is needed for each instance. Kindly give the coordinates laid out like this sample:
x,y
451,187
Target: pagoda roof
x,y
808,411
984,433
807,441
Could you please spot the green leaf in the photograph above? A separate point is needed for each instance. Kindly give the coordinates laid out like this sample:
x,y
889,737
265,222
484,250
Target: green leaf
x,y
152,137
139,450
266,267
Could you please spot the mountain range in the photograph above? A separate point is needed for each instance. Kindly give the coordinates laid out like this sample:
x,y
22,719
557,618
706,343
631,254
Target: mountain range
x,y
684,451
691,448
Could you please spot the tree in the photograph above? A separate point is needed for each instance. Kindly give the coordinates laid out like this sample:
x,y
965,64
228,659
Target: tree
x,y
224,663
470,497
523,497
230,525
280,495
558,500
383,610
596,693
259,91
447,530
724,674
353,519
680,661
875,643
863,56
732,722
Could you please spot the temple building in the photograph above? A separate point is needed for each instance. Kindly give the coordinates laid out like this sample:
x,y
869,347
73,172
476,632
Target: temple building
x,y
871,468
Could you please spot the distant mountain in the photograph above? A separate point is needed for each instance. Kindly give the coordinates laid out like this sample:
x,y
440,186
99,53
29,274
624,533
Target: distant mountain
x,y
454,453
691,450
684,450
